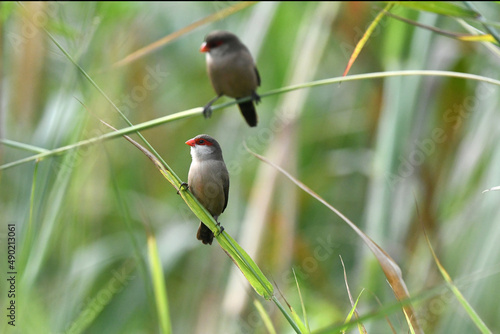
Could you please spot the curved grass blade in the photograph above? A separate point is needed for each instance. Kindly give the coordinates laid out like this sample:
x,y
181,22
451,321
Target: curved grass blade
x,y
169,38
199,111
388,265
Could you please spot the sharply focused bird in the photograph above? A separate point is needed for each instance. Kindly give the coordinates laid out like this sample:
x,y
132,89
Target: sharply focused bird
x,y
232,72
208,180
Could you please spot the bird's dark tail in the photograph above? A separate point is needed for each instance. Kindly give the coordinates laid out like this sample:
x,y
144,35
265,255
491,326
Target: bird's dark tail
x,y
248,111
205,234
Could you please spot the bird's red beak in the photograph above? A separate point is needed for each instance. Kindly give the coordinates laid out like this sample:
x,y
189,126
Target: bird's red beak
x,y
204,47
191,142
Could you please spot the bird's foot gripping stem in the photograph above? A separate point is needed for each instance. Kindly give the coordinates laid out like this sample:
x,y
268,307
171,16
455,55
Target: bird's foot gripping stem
x,y
221,229
207,111
183,186
255,97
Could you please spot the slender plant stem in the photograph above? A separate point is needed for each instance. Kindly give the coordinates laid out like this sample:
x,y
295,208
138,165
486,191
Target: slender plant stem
x,y
199,111
22,146
285,313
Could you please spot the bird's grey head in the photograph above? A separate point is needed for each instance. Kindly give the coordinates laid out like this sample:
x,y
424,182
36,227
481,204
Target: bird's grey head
x,y
219,41
204,147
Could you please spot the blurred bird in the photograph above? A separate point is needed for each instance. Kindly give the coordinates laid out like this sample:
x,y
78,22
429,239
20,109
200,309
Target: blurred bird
x,y
208,180
232,72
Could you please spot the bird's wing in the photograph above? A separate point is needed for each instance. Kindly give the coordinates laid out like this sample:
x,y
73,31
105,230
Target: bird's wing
x,y
258,75
225,183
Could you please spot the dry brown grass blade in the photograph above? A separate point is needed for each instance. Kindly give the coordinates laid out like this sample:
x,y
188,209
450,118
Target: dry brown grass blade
x,y
391,269
167,39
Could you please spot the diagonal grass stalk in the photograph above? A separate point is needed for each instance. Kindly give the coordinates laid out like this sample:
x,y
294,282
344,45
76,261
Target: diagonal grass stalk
x,y
452,286
247,266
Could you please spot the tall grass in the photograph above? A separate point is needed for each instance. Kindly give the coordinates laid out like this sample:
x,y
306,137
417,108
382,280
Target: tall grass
x,y
371,146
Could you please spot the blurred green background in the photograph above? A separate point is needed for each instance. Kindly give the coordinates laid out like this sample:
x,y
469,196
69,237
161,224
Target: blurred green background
x,y
376,149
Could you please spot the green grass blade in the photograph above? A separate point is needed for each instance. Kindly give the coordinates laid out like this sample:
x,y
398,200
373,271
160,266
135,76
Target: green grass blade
x,y
298,321
408,320
247,266
465,304
385,310
160,289
439,7
289,318
264,316
48,223
22,146
353,311
304,313
27,243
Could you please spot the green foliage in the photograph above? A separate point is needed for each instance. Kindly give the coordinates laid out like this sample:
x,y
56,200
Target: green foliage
x,y
439,7
101,236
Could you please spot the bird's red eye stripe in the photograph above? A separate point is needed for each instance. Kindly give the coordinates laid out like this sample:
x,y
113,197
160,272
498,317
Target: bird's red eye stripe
x,y
206,46
214,44
201,141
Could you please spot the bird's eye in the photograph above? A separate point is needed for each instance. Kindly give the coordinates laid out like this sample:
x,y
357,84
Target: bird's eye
x,y
201,141
214,44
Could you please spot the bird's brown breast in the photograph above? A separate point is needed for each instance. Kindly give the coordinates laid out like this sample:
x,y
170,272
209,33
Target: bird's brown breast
x,y
233,75
207,181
